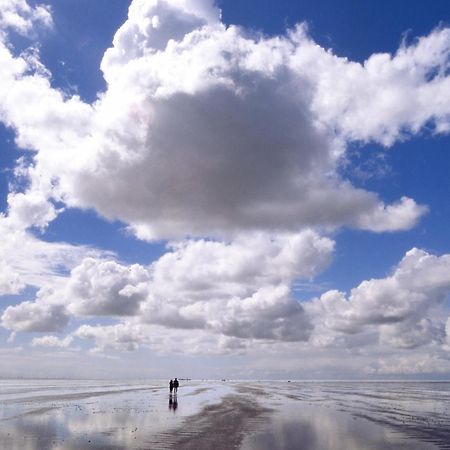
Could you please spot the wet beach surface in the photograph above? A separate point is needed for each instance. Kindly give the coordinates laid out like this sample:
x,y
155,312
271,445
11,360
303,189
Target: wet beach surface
x,y
74,414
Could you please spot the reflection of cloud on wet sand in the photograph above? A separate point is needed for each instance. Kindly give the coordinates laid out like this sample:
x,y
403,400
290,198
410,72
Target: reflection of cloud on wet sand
x,y
317,428
118,416
355,416
224,415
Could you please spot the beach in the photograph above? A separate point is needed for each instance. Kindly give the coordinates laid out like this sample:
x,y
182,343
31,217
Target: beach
x,y
86,414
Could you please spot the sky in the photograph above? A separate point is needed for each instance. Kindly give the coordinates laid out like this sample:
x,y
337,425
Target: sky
x,y
246,190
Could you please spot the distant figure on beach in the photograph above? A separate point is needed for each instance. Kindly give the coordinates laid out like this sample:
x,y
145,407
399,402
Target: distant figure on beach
x,y
171,387
175,385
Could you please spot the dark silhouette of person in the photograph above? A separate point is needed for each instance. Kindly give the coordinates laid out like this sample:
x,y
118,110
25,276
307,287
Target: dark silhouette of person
x,y
175,385
171,387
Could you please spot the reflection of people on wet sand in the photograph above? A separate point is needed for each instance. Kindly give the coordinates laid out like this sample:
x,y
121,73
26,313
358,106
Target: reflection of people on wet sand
x,y
171,386
175,385
173,402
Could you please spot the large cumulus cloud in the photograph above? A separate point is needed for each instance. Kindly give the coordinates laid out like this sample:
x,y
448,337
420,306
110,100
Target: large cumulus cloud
x,y
209,130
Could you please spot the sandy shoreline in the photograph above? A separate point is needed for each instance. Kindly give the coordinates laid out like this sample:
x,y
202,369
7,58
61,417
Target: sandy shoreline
x,y
221,415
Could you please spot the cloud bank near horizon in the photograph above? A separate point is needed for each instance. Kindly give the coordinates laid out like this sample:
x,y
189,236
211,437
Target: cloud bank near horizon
x,y
231,298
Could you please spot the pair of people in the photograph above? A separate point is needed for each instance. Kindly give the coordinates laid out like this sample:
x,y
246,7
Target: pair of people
x,y
173,385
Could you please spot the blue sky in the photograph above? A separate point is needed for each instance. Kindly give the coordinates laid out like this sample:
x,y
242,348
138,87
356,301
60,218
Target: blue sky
x,y
240,189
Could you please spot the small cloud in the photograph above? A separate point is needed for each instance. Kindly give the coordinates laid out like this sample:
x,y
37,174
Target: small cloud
x,y
52,341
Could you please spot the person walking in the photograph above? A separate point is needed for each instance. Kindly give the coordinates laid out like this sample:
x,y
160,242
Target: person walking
x,y
175,385
171,386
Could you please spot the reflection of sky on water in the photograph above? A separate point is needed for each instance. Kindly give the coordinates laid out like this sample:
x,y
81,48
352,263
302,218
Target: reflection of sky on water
x,y
43,417
69,415
316,428
359,415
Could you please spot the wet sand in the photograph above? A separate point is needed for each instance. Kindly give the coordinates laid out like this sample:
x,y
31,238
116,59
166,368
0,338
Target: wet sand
x,y
69,415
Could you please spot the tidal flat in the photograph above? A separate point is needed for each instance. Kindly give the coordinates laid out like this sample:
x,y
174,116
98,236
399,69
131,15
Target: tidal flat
x,y
246,415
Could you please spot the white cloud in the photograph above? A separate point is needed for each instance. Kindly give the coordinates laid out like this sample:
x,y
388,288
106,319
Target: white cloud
x,y
35,317
52,341
243,290
27,260
21,17
94,288
418,363
130,336
389,96
30,209
230,298
123,337
10,282
240,289
404,307
211,267
152,24
400,215
105,288
447,335
270,313
413,333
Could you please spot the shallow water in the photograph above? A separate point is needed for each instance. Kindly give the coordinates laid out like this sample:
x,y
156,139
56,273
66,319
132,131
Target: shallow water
x,y
346,416
69,415
39,415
